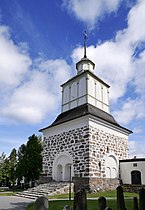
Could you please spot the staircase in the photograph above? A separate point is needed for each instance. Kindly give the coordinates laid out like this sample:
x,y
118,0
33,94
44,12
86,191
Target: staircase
x,y
47,189
132,187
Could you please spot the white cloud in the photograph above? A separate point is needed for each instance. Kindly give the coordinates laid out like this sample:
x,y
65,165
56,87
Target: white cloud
x,y
28,92
131,109
137,130
139,78
57,69
135,32
90,11
132,147
39,95
136,149
13,62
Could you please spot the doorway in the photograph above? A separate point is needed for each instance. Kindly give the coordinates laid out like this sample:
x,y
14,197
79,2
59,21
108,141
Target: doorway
x,y
59,172
136,177
63,169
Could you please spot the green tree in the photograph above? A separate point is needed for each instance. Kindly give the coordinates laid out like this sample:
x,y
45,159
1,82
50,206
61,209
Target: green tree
x,y
34,157
30,159
12,166
22,162
4,170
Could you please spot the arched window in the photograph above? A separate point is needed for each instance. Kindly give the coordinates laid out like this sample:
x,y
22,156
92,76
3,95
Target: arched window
x,y
136,177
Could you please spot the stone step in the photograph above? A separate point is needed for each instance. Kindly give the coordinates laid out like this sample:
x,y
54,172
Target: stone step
x,y
45,190
30,195
26,196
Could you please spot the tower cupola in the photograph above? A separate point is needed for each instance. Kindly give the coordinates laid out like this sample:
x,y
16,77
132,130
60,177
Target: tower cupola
x,y
85,64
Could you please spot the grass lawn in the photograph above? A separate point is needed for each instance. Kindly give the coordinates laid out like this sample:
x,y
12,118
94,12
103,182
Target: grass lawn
x,y
7,193
107,194
112,194
92,204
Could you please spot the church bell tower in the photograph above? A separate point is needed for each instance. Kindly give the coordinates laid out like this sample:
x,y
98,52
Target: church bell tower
x,y
85,87
85,135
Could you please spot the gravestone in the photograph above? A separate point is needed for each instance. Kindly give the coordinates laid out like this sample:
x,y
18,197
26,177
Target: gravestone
x,y
135,203
102,203
80,200
120,199
142,199
41,203
67,208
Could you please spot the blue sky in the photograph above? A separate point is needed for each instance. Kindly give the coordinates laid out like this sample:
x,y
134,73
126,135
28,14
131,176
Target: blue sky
x,y
40,42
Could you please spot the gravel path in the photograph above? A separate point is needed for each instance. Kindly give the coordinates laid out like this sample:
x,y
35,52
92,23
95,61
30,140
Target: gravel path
x,y
14,203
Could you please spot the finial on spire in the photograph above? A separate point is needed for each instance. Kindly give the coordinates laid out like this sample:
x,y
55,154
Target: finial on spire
x,y
85,37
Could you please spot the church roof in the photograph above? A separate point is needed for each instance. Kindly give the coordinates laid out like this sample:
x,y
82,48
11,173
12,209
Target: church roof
x,y
86,72
80,111
85,59
133,160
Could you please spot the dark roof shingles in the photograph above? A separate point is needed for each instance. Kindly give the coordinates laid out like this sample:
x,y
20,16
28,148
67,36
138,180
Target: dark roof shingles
x,y
83,110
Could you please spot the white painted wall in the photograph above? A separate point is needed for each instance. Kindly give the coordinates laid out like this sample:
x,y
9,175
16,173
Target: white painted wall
x,y
85,89
106,127
127,167
82,87
74,93
85,66
67,126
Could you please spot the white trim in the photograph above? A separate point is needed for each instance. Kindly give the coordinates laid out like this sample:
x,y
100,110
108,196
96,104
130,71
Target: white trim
x,y
67,126
110,126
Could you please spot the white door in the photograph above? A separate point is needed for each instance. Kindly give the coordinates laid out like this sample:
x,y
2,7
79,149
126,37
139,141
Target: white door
x,y
59,173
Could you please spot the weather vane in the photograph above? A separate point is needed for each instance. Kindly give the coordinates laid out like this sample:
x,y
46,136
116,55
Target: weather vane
x,y
85,38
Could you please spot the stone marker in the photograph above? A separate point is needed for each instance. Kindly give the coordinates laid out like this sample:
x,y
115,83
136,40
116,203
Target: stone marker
x,y
120,199
67,208
142,199
41,203
80,200
102,203
135,204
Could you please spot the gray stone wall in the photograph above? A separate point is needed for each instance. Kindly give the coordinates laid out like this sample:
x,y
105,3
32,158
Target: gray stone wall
x,y
93,185
88,146
100,144
76,142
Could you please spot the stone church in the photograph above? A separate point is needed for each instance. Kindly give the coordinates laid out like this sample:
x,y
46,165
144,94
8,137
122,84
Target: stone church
x,y
85,143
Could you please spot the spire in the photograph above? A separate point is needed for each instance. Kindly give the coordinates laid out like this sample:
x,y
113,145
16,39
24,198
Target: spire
x,y
85,38
85,64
